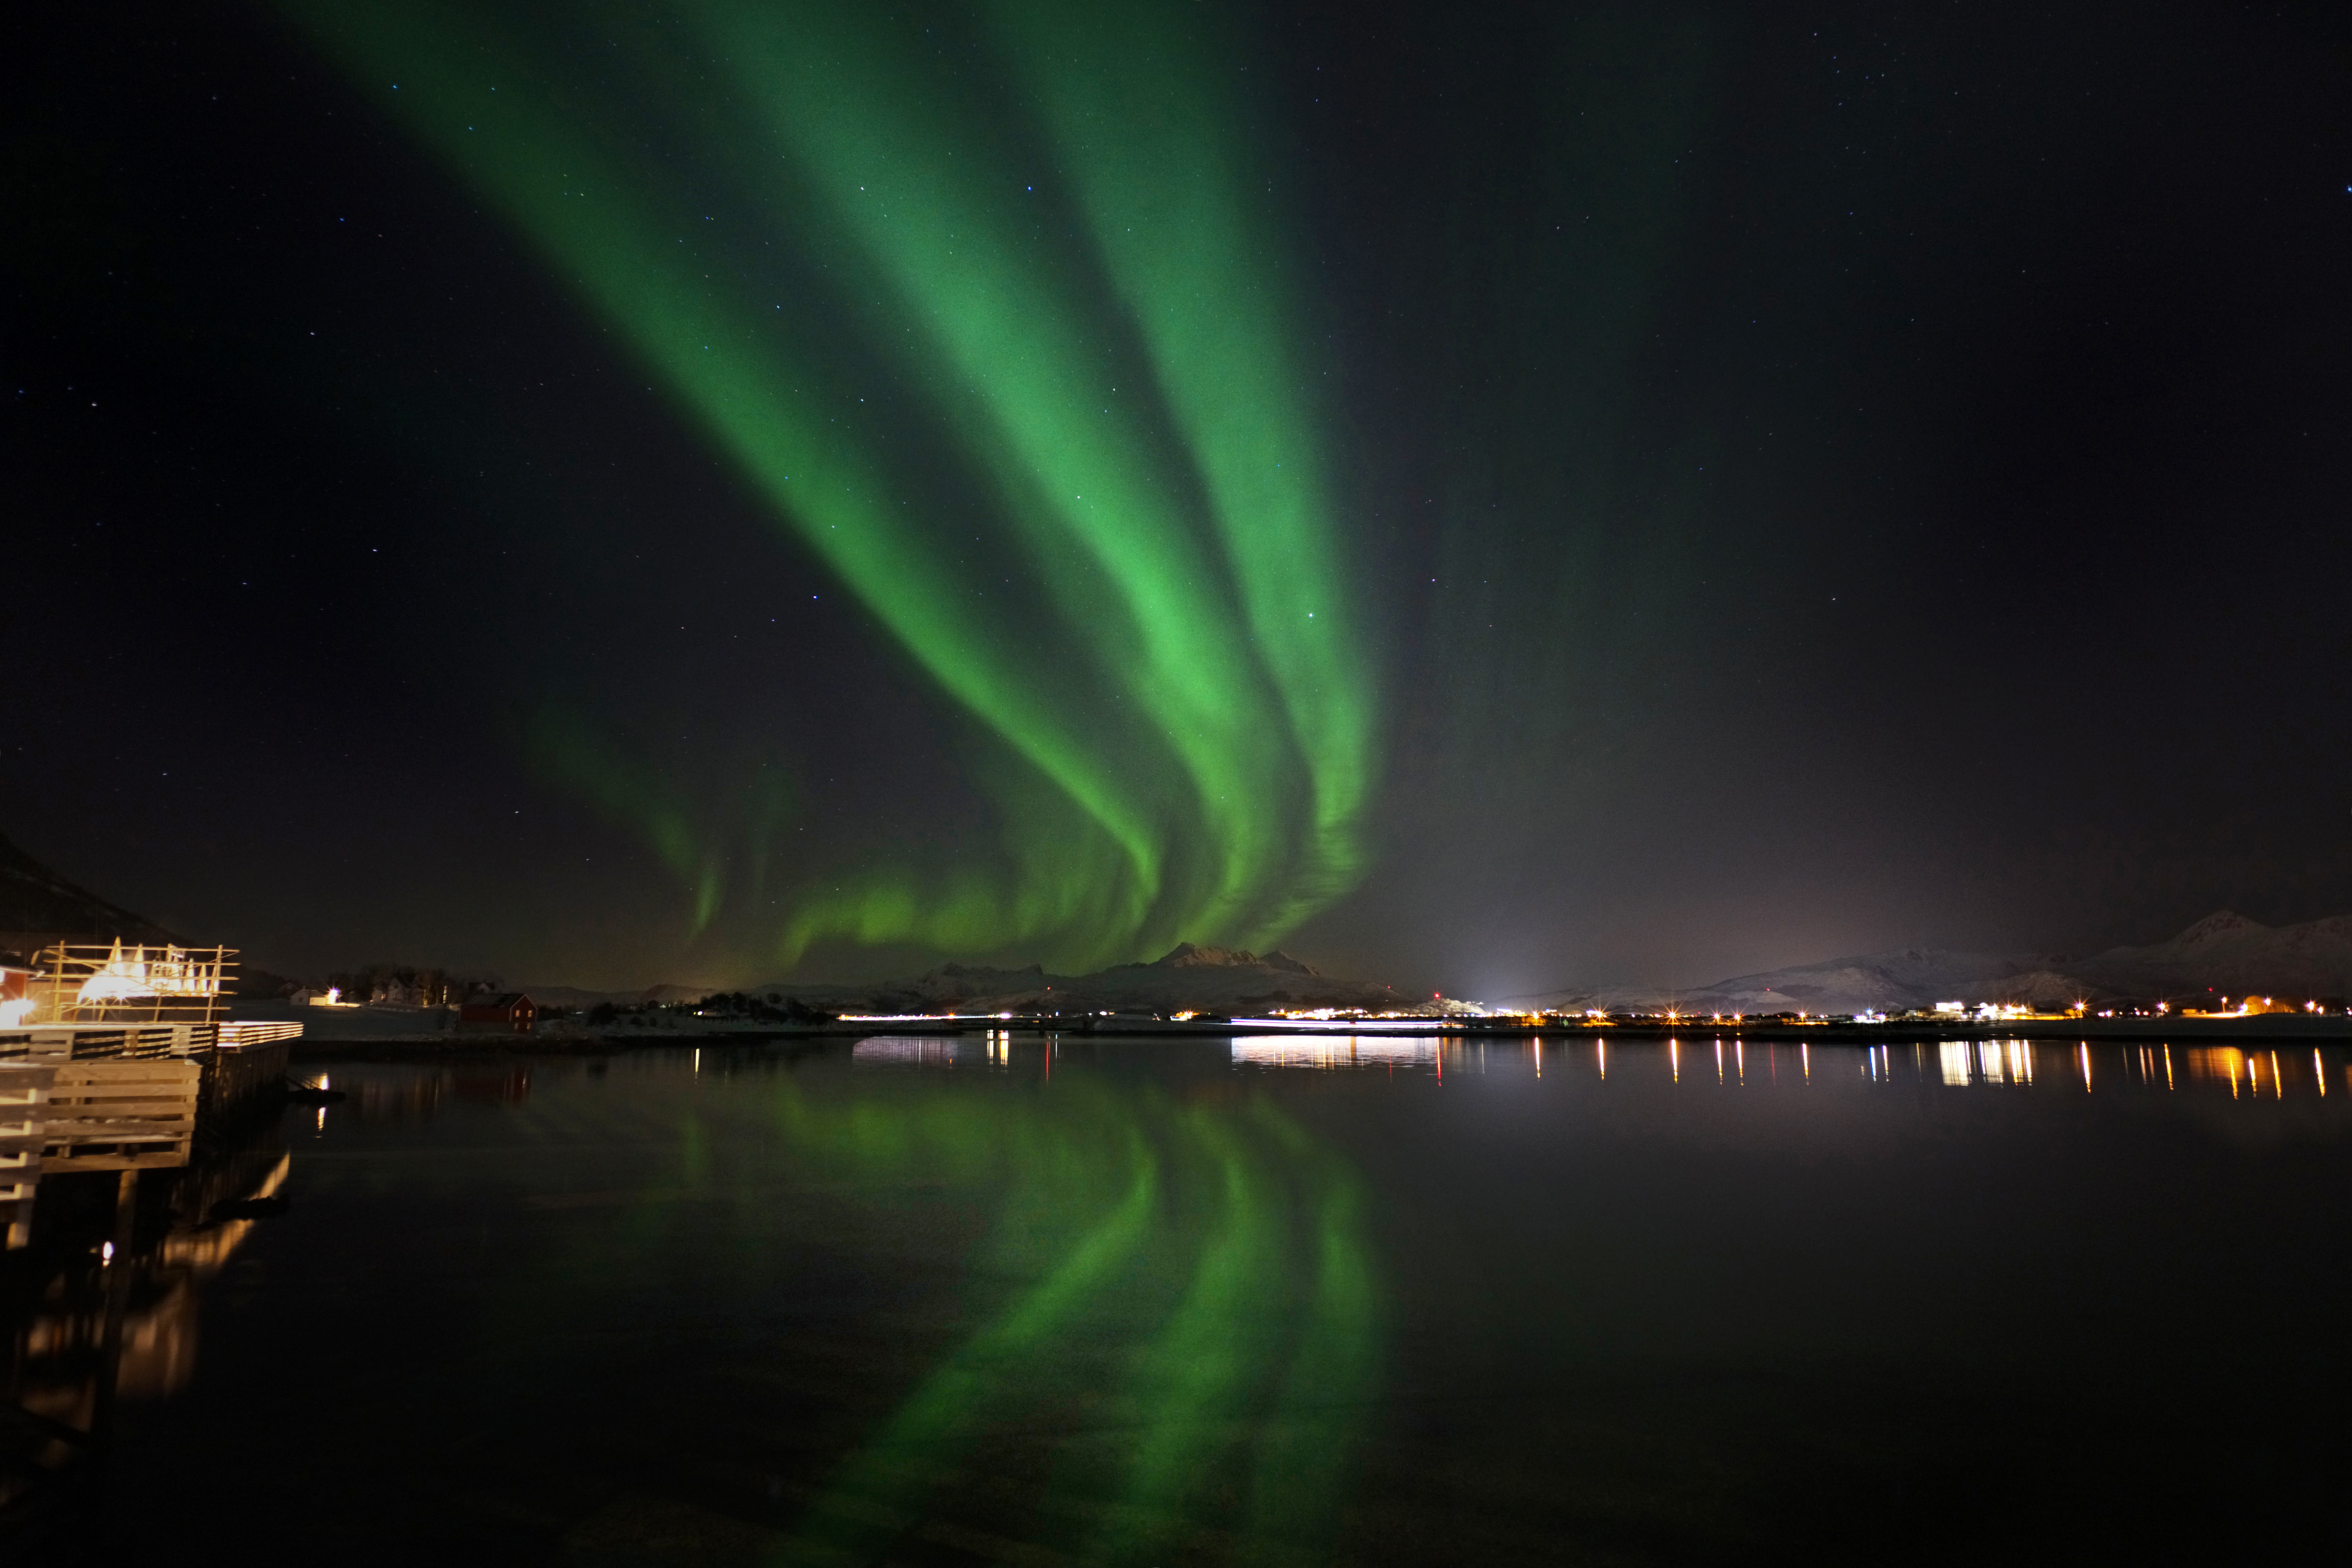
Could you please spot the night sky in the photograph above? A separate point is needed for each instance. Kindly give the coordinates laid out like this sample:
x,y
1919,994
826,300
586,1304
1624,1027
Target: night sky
x,y
1483,497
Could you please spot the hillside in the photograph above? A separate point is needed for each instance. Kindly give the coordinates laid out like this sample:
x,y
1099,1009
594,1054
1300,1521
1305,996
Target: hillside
x,y
37,906
1186,979
2224,954
2232,955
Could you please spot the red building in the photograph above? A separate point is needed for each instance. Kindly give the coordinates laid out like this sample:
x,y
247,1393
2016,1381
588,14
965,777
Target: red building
x,y
508,1012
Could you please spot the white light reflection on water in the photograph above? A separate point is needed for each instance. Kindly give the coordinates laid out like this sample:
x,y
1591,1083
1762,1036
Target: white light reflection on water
x,y
2094,1068
1996,1061
908,1050
993,1049
1340,1051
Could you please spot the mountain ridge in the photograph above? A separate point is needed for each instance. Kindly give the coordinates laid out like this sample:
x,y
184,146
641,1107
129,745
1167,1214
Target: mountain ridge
x,y
1188,977
38,907
2224,953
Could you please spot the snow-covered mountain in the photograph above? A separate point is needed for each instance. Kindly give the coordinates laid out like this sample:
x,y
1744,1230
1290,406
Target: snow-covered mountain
x,y
1906,977
2232,955
2224,954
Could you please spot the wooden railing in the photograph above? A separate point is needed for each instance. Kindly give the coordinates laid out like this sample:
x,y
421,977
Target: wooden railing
x,y
108,983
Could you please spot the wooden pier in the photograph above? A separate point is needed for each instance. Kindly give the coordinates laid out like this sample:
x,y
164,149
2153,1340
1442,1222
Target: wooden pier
x,y
59,1118
120,1115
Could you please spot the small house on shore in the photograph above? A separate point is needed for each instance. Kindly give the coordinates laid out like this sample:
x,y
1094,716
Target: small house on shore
x,y
508,1012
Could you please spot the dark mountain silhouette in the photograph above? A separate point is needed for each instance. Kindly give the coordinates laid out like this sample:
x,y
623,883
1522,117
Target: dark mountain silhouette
x,y
1216,979
38,906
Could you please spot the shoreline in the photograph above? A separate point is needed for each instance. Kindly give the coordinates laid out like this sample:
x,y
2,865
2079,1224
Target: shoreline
x,y
2264,1029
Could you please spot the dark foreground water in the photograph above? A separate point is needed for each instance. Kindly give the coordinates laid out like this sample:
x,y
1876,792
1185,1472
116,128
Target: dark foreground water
x,y
921,1301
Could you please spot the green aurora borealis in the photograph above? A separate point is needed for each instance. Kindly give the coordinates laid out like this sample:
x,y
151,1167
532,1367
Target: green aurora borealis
x,y
1171,1330
819,229
1194,1282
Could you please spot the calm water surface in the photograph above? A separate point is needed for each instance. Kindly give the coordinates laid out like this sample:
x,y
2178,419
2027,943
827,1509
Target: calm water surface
x,y
1007,1301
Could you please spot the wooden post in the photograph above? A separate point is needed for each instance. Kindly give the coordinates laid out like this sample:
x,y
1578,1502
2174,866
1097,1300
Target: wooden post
x,y
23,1121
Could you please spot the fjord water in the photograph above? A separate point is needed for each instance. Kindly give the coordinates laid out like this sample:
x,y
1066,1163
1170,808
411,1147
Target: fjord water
x,y
1260,1301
